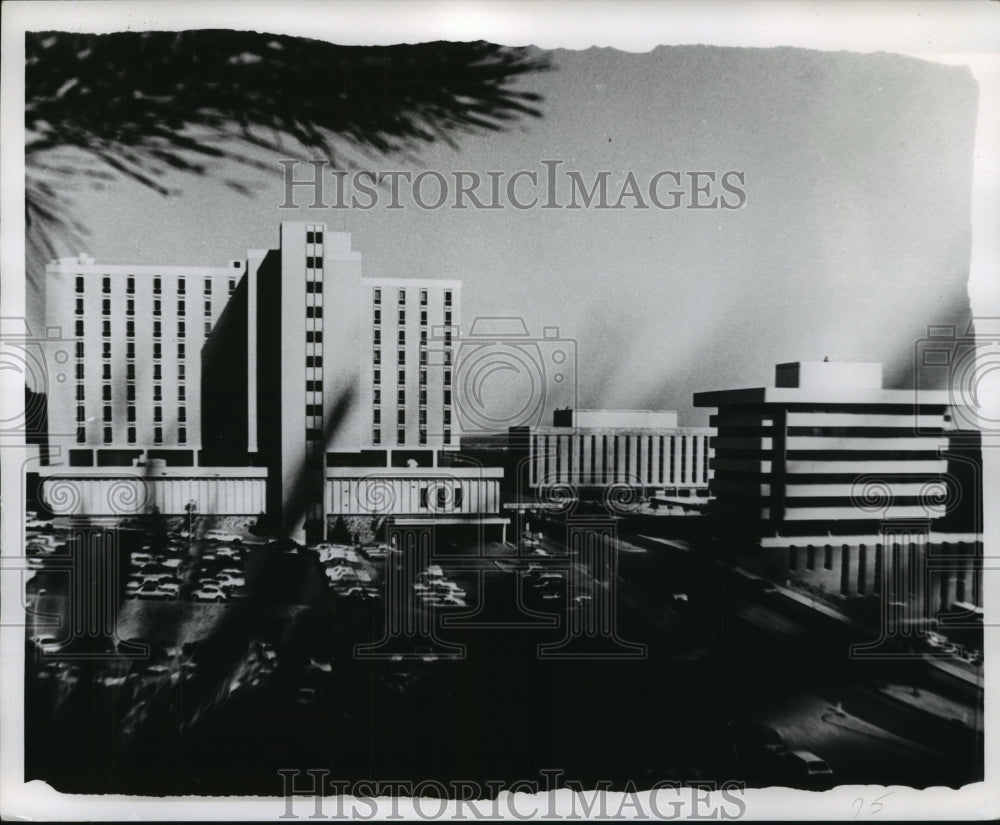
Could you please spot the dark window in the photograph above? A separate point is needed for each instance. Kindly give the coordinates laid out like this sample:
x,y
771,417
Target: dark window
x,y
157,392
423,301
106,392
106,285
107,435
106,372
180,287
81,435
131,435
79,392
106,331
401,396
401,375
130,372
157,307
401,436
181,393
79,306
157,435
447,297
314,360
157,350
377,295
447,436
81,414
401,296
157,414
79,284
157,372
130,415
130,306
181,351
208,286
181,307
182,414
106,349
181,329
157,329
182,435
319,236
130,285
401,356
79,349
157,286
310,237
376,436
130,329
79,328
376,416
130,392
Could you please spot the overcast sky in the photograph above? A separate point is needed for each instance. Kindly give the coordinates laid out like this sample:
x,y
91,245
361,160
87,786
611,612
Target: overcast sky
x,y
854,236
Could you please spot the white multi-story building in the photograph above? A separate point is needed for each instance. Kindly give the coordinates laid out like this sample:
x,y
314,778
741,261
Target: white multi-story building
x,y
286,361
132,336
833,481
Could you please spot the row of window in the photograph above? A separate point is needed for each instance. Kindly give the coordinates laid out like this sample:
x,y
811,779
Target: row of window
x,y
401,296
130,372
108,435
157,285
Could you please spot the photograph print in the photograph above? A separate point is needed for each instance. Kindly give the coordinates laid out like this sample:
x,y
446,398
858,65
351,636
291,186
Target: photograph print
x,y
507,428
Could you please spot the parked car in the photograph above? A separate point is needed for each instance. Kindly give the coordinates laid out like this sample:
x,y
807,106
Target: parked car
x,y
151,590
209,592
808,768
221,536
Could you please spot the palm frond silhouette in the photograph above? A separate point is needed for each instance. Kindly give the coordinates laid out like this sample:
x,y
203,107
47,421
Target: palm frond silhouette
x,y
142,104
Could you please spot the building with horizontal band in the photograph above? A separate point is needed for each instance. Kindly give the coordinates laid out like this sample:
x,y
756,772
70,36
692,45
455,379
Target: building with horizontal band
x,y
830,481
586,453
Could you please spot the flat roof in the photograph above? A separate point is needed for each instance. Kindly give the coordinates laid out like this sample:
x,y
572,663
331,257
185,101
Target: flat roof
x,y
414,472
154,472
832,396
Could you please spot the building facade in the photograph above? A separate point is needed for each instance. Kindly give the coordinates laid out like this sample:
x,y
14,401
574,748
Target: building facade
x,y
590,452
287,360
130,341
835,483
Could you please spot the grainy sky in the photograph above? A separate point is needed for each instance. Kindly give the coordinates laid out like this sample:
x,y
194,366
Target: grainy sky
x,y
855,233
